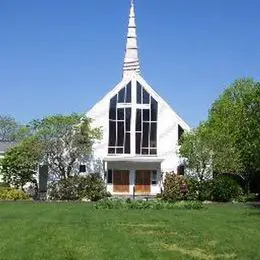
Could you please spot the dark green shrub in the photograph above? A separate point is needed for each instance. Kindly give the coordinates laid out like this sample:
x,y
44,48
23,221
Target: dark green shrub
x,y
4,185
12,194
225,189
89,187
142,205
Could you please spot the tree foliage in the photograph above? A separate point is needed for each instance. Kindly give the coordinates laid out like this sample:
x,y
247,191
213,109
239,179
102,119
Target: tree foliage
x,y
59,141
66,141
20,163
229,140
197,152
234,123
8,128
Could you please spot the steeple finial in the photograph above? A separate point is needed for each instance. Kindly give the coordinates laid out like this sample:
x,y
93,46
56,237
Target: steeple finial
x,y
131,61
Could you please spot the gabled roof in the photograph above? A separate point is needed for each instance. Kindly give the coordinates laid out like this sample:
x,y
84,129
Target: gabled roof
x,y
4,146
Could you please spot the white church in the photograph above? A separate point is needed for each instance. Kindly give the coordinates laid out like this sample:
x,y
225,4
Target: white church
x,y
140,130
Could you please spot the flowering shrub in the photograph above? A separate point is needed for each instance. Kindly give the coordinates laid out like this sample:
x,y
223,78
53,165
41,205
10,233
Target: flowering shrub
x,y
177,187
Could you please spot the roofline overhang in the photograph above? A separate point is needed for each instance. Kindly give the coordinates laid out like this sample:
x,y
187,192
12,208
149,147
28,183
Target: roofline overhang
x,y
141,159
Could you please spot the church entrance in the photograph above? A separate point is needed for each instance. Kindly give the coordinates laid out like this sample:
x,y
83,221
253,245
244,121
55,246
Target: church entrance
x,y
121,181
143,181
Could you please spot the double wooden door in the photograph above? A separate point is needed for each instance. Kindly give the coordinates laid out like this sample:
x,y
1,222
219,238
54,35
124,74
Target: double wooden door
x,y
143,181
121,181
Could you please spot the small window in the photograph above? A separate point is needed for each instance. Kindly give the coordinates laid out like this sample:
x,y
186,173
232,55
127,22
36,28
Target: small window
x,y
82,168
154,177
180,133
109,176
180,170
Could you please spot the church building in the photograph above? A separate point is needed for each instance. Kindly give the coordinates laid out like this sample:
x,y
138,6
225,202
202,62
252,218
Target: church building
x,y
141,131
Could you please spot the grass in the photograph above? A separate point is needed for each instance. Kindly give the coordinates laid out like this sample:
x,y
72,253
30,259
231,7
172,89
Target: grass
x,y
79,231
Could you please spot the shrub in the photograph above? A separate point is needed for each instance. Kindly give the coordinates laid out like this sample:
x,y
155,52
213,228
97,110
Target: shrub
x,y
90,187
12,194
225,189
177,187
141,205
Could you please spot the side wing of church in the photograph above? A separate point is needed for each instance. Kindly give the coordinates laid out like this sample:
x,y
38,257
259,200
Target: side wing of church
x,y
140,130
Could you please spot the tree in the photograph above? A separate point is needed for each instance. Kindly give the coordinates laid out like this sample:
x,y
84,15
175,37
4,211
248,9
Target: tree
x,y
8,128
234,121
20,163
67,140
196,150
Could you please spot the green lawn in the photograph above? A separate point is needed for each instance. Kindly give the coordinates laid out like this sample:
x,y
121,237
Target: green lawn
x,y
79,231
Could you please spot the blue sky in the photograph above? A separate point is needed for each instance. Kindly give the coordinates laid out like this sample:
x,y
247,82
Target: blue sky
x,y
62,56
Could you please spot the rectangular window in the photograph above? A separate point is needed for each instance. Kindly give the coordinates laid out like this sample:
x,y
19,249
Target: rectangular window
x,y
127,143
139,94
138,143
146,114
112,109
112,133
128,119
146,97
154,177
154,108
138,120
109,176
120,134
121,96
145,134
128,93
180,133
181,170
82,168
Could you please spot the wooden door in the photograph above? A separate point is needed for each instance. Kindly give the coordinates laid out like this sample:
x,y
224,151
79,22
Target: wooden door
x,y
143,181
121,181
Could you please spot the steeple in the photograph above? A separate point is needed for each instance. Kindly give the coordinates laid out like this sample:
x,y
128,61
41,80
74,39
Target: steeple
x,y
131,61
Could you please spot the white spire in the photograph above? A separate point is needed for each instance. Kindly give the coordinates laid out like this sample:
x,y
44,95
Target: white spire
x,y
131,61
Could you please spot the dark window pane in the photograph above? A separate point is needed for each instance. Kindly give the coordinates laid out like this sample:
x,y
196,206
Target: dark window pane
x,y
128,93
153,135
146,114
144,151
180,170
120,133
111,150
121,96
180,133
112,133
82,168
120,114
146,97
138,120
154,107
145,134
112,109
138,93
119,150
109,176
127,143
128,119
137,143
153,151
154,177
